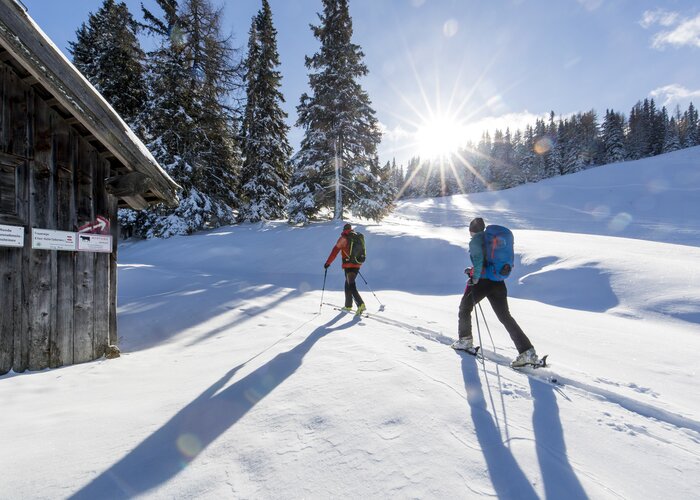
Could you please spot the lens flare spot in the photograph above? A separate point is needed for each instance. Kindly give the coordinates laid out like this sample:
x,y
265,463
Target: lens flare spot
x,y
544,193
657,186
502,205
189,445
450,28
252,396
600,212
620,222
543,145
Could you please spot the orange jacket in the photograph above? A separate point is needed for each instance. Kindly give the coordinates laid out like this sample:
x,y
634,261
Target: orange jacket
x,y
343,246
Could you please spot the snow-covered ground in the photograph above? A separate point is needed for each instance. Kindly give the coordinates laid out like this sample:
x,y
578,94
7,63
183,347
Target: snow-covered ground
x,y
235,383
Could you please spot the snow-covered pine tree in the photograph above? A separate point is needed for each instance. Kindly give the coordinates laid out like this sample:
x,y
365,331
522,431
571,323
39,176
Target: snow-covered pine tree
x,y
554,149
691,127
672,141
266,150
192,128
415,177
658,121
613,137
397,177
524,156
337,166
107,52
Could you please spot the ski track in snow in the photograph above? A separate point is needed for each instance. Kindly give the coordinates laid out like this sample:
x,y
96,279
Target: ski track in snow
x,y
381,406
546,375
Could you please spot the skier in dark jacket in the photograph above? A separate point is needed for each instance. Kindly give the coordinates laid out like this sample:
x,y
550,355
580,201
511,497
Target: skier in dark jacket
x,y
351,269
479,288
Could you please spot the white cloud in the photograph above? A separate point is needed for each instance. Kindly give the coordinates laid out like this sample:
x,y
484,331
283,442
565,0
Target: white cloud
x,y
683,32
686,33
398,133
512,121
658,16
450,28
675,94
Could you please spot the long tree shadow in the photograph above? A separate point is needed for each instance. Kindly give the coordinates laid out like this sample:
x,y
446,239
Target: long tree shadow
x,y
507,477
559,478
178,442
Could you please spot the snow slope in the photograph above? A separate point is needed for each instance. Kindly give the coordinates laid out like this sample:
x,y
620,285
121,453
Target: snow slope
x,y
235,383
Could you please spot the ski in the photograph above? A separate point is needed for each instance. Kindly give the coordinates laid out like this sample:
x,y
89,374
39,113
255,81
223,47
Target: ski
x,y
474,351
541,363
532,370
363,315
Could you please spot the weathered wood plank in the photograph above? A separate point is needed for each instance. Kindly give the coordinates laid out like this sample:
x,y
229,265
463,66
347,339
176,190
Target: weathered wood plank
x,y
21,337
17,97
64,164
84,298
42,272
5,109
10,270
113,330
17,145
101,339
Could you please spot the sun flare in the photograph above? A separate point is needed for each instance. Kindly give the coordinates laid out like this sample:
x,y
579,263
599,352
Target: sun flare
x,y
440,137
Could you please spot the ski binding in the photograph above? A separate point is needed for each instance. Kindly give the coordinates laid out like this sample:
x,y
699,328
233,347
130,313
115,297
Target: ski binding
x,y
541,363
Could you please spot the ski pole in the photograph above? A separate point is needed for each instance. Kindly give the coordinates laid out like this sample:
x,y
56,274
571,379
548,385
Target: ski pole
x,y
381,306
487,328
476,315
325,273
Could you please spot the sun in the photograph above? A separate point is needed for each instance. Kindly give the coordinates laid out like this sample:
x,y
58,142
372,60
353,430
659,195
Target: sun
x,y
440,136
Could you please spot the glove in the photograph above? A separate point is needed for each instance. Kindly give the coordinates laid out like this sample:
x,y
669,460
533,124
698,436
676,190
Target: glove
x,y
326,265
468,271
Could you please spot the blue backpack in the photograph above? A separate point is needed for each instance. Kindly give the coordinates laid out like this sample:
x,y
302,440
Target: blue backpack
x,y
498,253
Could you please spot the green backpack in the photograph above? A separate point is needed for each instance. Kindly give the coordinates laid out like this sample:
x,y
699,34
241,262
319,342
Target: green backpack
x,y
357,252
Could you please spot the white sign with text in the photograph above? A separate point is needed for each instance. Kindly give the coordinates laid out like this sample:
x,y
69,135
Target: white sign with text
x,y
94,243
11,236
48,239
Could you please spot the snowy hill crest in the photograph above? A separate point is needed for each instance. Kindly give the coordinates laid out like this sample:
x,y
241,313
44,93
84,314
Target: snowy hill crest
x,y
236,383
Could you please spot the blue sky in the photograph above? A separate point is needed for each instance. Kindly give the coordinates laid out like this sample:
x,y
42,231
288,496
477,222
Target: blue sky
x,y
444,70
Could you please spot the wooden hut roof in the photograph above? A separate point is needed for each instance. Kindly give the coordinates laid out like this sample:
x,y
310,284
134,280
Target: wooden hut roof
x,y
40,64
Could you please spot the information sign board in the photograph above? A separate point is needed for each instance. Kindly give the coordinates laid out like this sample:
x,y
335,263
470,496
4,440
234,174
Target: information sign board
x,y
11,236
94,243
48,239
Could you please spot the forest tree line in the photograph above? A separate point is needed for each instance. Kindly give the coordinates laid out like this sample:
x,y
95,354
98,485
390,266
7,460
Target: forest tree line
x,y
213,118
550,148
212,115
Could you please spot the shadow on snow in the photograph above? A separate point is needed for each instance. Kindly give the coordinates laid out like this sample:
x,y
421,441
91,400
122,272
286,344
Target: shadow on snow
x,y
167,451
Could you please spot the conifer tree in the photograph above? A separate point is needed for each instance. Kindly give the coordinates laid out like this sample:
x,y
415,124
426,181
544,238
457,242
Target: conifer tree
x,y
614,137
553,152
337,166
672,141
266,150
191,125
107,52
691,126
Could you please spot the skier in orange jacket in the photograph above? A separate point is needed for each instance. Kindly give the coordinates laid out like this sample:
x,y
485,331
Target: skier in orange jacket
x,y
351,269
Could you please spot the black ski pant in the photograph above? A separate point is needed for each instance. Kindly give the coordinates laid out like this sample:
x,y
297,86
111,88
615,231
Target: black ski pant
x,y
351,288
497,294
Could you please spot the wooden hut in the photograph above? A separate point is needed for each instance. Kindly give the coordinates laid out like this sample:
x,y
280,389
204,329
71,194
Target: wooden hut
x,y
67,162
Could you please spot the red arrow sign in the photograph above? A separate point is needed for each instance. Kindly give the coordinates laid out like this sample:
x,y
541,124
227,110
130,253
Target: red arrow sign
x,y
99,226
